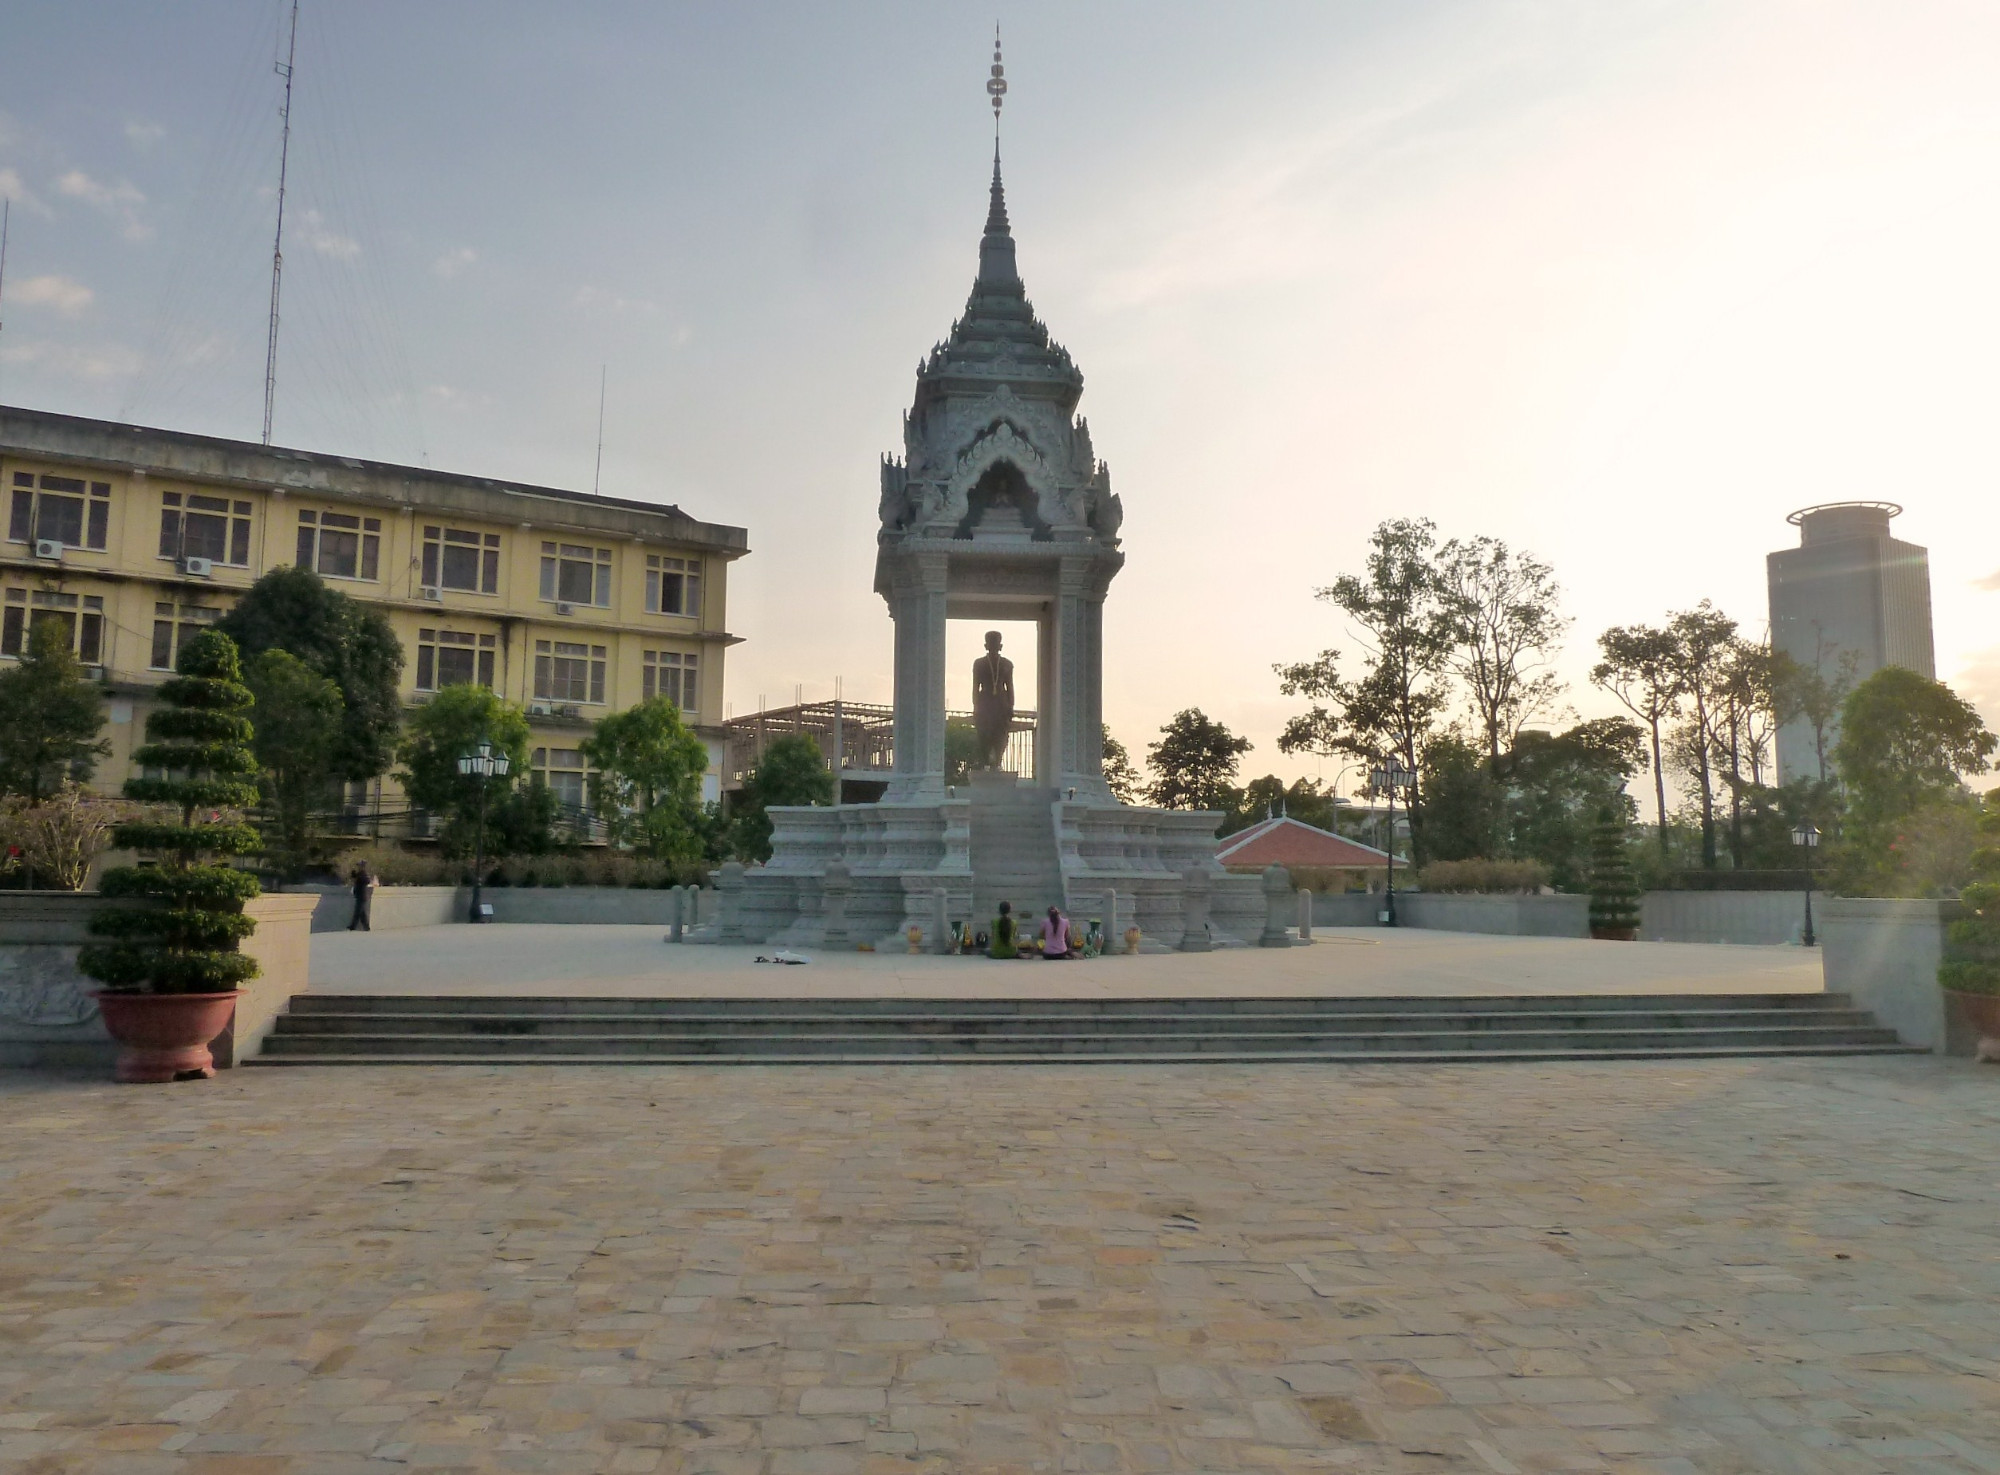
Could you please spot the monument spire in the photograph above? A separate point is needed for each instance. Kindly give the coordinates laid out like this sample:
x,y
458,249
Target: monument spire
x,y
996,248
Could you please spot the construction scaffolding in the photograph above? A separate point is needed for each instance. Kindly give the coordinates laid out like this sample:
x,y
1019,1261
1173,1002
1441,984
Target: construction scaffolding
x,y
857,739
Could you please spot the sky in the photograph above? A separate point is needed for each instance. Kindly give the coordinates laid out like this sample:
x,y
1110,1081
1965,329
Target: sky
x,y
1620,284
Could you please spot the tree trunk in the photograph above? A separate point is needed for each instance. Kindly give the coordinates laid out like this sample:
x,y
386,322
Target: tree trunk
x,y
1735,788
1659,785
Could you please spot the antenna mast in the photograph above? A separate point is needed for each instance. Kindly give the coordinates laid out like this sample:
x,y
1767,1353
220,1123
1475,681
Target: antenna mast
x,y
598,475
278,241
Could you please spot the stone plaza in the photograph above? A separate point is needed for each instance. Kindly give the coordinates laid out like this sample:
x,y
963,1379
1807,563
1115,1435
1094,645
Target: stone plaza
x,y
1712,1266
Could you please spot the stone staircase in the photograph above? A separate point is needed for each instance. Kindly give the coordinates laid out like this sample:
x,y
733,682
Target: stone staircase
x,y
334,1029
1014,856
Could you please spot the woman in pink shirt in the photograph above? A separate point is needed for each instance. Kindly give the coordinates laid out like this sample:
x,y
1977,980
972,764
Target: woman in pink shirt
x,y
1055,934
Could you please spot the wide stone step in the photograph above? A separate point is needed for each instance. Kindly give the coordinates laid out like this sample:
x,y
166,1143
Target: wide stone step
x,y
331,1029
610,1022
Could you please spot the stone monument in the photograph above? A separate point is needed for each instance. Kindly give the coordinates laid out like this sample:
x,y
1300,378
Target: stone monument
x,y
998,509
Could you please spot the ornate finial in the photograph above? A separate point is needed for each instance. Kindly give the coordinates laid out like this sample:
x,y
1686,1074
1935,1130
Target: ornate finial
x,y
996,85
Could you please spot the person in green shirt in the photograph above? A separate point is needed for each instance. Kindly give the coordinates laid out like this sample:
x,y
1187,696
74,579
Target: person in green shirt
x,y
1003,934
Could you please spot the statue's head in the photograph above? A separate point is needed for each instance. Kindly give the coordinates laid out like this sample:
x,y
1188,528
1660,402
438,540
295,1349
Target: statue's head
x,y
993,642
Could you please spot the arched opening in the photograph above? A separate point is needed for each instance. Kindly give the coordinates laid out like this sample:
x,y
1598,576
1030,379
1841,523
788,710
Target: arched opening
x,y
1002,501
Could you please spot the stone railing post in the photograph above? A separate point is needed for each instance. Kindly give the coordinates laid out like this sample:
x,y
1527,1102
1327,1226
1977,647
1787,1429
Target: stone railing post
x,y
1277,891
1195,895
941,941
729,902
835,887
1305,914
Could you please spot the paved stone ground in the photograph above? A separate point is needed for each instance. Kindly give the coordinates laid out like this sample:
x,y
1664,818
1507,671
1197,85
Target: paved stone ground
x,y
628,961
1715,1267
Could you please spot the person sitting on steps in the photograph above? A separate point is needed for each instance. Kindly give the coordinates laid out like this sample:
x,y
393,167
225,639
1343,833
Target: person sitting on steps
x,y
1003,945
1057,941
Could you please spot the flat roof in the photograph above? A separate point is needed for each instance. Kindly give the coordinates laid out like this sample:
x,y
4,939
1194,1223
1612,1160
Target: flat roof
x,y
182,455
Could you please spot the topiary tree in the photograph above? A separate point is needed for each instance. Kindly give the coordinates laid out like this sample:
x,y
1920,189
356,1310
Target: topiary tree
x,y
1614,892
1972,944
199,744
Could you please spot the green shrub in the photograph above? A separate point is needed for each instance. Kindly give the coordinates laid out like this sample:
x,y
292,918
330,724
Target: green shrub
x,y
1507,876
188,941
1614,890
1972,944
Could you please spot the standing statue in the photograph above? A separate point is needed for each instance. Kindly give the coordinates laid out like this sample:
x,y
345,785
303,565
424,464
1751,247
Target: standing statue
x,y
993,701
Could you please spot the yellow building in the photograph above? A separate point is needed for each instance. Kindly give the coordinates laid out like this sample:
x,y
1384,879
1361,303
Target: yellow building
x,y
570,604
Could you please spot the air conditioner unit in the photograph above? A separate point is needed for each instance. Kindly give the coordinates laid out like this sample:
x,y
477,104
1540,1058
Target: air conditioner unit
x,y
197,568
48,548
538,709
569,711
561,609
433,594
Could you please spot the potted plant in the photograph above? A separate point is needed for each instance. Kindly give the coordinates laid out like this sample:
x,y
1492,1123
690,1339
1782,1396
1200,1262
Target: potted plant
x,y
171,965
1614,892
1970,971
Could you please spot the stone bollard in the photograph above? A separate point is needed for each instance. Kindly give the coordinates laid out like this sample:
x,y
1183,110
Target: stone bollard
x,y
1195,896
729,902
835,887
1305,914
677,909
1277,891
941,938
1113,939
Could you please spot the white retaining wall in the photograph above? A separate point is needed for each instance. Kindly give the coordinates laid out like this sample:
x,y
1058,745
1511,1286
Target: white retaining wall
x,y
1766,917
1884,955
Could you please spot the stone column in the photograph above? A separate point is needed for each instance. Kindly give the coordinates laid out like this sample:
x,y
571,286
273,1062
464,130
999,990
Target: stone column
x,y
919,609
1195,901
835,887
1277,892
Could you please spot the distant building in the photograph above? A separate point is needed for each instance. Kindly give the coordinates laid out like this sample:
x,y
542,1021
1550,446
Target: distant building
x,y
574,606
1848,589
1311,854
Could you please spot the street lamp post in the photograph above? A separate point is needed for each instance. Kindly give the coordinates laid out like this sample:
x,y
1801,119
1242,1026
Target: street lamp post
x,y
482,763
1806,837
1390,777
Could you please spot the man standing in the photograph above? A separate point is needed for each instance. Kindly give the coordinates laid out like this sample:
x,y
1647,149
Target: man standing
x,y
993,701
364,893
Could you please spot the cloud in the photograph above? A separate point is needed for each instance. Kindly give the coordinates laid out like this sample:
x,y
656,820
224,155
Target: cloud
x,y
457,399
1990,584
600,303
122,200
64,295
319,237
143,136
14,188
103,361
454,261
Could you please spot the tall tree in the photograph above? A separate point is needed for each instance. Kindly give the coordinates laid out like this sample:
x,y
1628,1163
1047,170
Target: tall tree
x,y
1507,630
1639,669
1121,774
50,717
1559,784
1194,763
519,810
297,733
1813,694
1905,739
1747,695
1704,644
791,771
1406,628
343,640
647,780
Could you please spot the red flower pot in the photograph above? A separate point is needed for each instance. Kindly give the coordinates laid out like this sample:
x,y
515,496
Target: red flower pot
x,y
164,1037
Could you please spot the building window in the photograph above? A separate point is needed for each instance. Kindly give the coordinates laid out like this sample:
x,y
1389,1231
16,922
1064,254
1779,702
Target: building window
x,y
566,672
65,509
339,546
573,575
673,585
214,528
457,559
669,674
564,771
173,624
81,618
453,658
